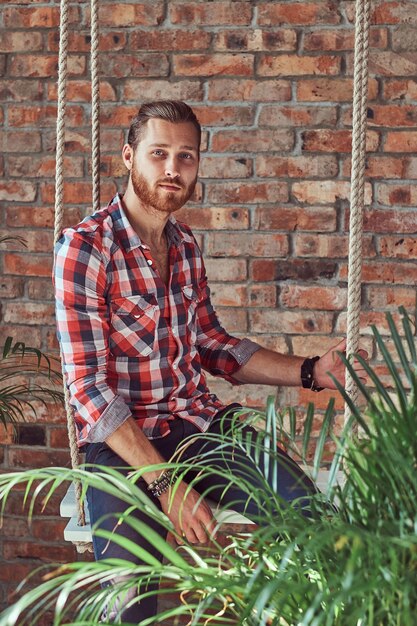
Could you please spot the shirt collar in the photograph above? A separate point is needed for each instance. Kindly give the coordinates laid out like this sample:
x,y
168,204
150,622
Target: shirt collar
x,y
128,237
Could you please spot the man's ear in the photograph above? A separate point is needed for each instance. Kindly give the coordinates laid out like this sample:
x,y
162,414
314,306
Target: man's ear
x,y
127,156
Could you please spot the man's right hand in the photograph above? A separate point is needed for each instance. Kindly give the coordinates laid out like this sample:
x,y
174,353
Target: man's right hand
x,y
190,514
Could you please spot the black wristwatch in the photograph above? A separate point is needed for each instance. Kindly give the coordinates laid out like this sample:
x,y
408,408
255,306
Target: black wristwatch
x,y
307,377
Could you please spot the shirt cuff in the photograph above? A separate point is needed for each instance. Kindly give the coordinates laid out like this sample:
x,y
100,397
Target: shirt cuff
x,y
243,351
114,416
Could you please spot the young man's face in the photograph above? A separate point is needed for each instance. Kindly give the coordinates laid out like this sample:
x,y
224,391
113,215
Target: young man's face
x,y
164,165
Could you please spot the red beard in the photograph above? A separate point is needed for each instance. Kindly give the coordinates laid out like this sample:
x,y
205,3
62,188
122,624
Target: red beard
x,y
160,200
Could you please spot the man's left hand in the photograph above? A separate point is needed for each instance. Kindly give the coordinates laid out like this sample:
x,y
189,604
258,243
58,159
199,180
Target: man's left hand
x,y
331,363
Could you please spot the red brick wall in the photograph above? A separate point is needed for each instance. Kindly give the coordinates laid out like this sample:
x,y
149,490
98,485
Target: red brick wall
x,y
272,85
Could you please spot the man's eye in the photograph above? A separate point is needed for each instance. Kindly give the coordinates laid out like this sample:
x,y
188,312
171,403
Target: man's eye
x,y
158,152
186,155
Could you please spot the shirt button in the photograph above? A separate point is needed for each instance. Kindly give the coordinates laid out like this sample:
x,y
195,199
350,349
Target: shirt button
x,y
150,261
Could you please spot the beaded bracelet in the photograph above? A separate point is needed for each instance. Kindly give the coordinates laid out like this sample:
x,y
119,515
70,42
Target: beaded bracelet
x,y
161,484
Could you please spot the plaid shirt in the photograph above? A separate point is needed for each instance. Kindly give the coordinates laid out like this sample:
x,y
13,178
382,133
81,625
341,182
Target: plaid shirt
x,y
130,345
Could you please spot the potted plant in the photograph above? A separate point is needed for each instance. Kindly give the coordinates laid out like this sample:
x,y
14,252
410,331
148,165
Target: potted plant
x,y
351,561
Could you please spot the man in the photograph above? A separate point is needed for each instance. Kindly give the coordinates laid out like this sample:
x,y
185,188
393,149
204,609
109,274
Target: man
x,y
137,329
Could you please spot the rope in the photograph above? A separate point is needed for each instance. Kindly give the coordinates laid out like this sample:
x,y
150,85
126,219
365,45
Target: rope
x,y
360,97
95,106
81,546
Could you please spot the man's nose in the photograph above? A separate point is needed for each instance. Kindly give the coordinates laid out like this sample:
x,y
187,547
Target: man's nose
x,y
171,168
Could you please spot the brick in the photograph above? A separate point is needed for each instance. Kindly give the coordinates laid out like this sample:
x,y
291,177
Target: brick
x,y
256,40
10,287
58,437
18,41
388,272
74,191
293,65
367,319
37,116
251,396
30,434
27,265
44,167
395,246
7,434
212,14
28,334
252,140
384,297
387,63
80,91
341,39
392,194
394,12
329,246
315,345
20,90
46,412
36,241
249,90
403,38
326,140
291,322
242,244
225,115
117,115
244,193
214,218
330,90
276,115
132,15
189,90
228,295
43,17
29,313
42,552
262,296
40,290
39,217
16,191
389,221
401,141
234,320
293,269
317,166
16,141
22,457
313,297
177,39
126,65
225,167
319,219
226,269
48,529
213,64
300,13
402,89
44,66
302,397
381,166
325,192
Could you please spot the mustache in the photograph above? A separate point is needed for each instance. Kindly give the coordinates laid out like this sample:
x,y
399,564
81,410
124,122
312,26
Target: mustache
x,y
171,181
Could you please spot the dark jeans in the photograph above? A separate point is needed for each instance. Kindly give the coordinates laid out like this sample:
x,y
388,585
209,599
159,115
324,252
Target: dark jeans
x,y
292,484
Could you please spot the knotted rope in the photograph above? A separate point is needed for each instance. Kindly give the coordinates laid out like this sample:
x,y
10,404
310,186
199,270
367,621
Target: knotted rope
x,y
59,194
359,123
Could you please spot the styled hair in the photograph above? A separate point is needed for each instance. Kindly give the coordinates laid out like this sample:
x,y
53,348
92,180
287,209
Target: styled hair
x,y
173,111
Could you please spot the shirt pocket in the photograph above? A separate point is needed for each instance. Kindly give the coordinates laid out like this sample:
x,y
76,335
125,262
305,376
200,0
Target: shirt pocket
x,y
191,299
133,323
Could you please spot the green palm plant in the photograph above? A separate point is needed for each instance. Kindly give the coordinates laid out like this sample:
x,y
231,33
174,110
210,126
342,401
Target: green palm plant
x,y
19,361
353,564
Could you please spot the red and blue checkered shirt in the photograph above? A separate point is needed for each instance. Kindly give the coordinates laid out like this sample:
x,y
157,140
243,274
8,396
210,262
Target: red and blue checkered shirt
x,y
131,345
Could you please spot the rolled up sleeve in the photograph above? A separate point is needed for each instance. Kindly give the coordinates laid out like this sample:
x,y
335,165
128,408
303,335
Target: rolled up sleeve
x,y
83,328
